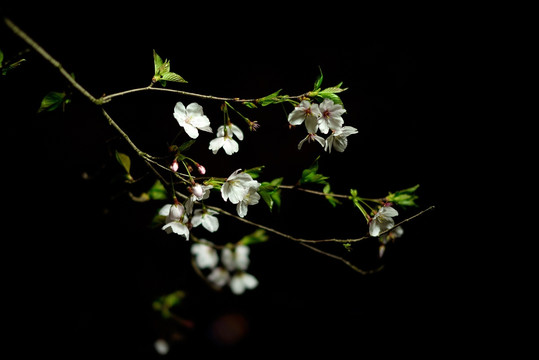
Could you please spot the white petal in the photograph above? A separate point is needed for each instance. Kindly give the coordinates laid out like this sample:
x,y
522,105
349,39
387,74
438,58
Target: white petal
x,y
320,140
210,223
190,130
194,110
179,110
302,141
249,281
165,210
311,123
374,228
230,146
241,208
388,211
216,144
236,284
200,121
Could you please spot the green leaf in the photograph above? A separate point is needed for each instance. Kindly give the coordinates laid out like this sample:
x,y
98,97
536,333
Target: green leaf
x,y
255,172
52,101
250,105
157,62
124,160
162,71
311,175
271,193
170,76
331,93
165,302
186,145
158,191
319,79
1,58
258,236
270,99
327,190
404,197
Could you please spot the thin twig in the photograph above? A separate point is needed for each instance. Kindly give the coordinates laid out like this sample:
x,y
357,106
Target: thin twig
x,y
51,60
346,262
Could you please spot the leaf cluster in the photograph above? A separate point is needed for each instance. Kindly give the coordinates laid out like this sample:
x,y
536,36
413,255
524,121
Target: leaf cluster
x,y
163,73
328,93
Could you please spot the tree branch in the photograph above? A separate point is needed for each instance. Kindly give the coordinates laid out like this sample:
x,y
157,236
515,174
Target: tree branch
x,y
51,60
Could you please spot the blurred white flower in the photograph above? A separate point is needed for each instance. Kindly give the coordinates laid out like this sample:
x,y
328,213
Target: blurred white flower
x,y
191,118
382,221
241,281
390,236
236,259
205,256
161,346
219,276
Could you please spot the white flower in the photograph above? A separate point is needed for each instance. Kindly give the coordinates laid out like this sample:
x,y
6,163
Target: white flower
x,y
338,138
251,198
305,110
198,192
191,118
205,256
231,130
242,281
225,139
237,259
206,218
226,142
331,118
237,186
311,123
219,276
382,221
174,214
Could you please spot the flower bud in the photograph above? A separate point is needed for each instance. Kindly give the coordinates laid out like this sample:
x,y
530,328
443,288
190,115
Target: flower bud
x,y
197,190
175,166
201,169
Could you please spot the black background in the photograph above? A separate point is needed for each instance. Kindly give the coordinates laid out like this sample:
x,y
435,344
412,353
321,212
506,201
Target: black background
x,y
84,264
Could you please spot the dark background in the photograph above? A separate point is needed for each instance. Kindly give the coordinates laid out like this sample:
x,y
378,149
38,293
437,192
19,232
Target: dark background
x,y
84,264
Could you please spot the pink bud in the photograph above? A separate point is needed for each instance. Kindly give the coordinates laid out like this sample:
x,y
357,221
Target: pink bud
x,y
175,166
201,169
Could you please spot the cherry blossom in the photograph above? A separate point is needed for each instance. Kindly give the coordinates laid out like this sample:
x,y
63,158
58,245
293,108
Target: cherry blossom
x,y
206,218
305,110
382,221
191,118
205,256
174,217
330,118
338,138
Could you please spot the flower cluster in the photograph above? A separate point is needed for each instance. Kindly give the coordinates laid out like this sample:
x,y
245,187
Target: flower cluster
x,y
326,117
231,272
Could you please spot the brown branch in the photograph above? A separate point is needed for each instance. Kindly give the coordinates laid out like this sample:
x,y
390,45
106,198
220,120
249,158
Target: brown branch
x,y
51,60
